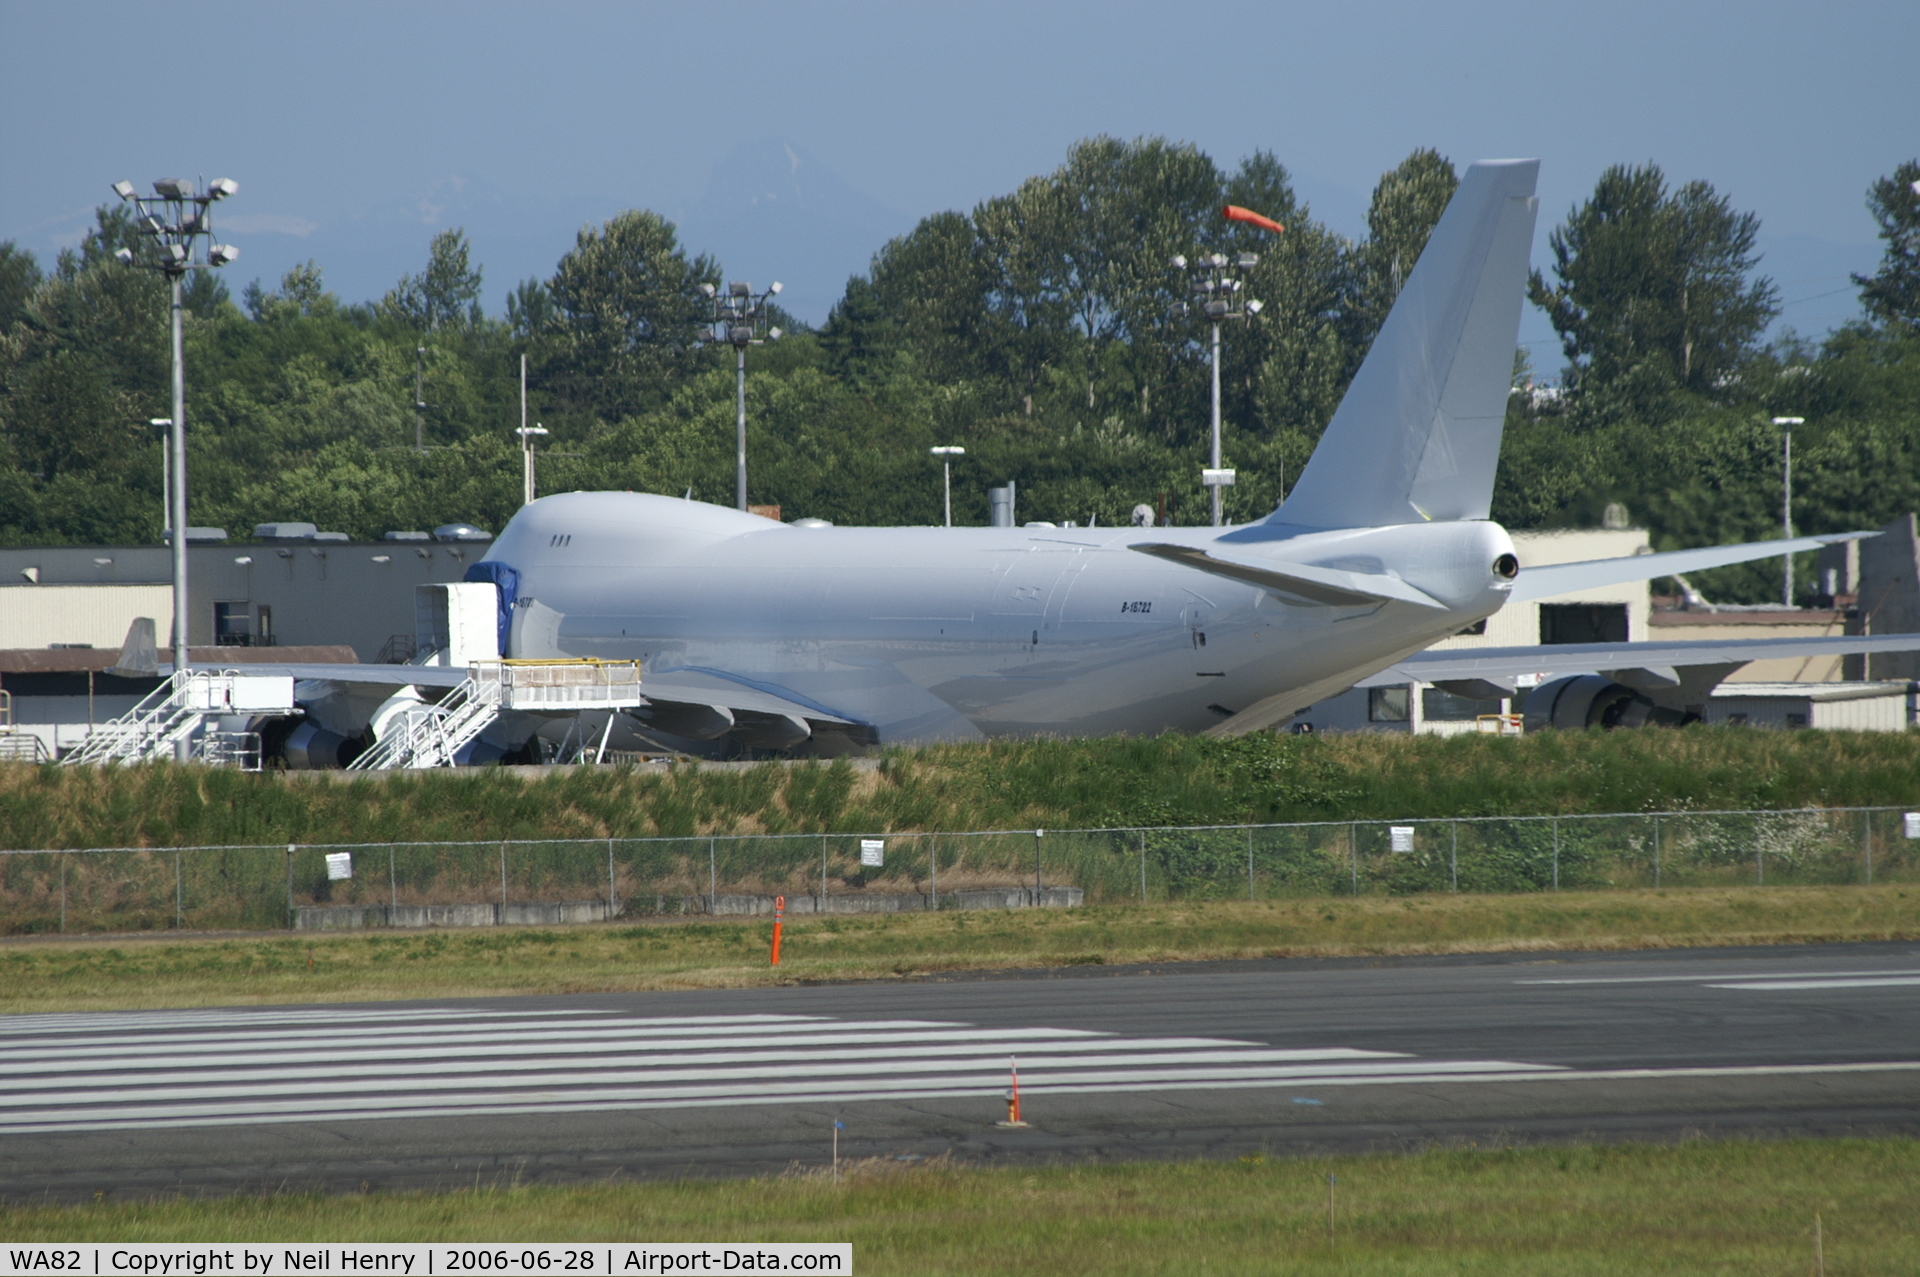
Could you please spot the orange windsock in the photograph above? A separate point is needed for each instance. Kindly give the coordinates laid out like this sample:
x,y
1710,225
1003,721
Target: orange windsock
x,y
1234,213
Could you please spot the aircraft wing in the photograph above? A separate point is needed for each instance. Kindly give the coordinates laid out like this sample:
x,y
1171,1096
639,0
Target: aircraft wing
x,y
1495,664
1330,586
1550,579
395,676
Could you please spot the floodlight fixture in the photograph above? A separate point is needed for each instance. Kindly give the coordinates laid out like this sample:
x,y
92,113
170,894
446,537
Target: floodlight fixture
x,y
1789,422
221,254
1255,305
124,256
151,225
740,288
173,188
1179,261
773,334
1218,259
159,422
222,187
123,189
774,287
175,255
1247,261
707,290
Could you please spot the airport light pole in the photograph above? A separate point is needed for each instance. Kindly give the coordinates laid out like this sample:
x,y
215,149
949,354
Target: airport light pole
x,y
1786,425
1216,288
179,218
737,316
527,435
946,453
165,424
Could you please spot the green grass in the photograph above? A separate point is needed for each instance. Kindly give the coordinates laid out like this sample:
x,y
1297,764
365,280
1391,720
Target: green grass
x,y
99,973
1737,1207
1054,784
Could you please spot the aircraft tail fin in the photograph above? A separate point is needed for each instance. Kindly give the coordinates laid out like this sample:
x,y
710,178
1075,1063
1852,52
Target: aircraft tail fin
x,y
1418,434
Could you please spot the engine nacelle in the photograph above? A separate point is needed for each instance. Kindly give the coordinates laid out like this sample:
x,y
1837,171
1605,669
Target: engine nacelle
x,y
1590,700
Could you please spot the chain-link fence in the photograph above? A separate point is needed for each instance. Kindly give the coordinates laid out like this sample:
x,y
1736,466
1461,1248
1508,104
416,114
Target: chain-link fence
x,y
415,884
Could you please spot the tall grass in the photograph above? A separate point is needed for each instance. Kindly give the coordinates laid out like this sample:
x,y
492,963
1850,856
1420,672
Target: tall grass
x,y
1736,1207
1166,780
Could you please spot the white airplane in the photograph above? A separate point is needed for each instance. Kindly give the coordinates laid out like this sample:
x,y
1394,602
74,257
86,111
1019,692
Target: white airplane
x,y
818,638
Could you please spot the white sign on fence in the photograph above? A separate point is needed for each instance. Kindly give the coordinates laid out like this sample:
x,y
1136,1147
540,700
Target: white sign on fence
x,y
873,851
339,865
1913,824
1402,836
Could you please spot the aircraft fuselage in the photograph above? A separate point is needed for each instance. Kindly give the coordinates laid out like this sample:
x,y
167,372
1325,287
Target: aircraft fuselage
x,y
953,633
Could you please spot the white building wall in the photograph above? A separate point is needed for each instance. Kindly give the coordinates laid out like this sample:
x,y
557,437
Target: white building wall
x,y
95,615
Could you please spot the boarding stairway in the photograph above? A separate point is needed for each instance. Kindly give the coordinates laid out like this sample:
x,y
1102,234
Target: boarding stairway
x,y
181,711
17,746
436,735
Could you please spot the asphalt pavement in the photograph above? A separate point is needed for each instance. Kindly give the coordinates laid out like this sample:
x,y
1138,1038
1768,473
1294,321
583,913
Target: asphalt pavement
x,y
1224,1059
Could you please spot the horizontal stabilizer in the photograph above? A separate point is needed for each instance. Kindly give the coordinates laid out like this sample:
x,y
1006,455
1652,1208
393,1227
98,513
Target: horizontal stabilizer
x,y
1329,586
1551,579
1499,663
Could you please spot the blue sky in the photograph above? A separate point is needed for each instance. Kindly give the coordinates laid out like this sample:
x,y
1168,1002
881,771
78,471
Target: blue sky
x,y
791,140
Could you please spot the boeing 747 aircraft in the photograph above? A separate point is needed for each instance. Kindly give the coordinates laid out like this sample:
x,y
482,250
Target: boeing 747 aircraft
x,y
761,634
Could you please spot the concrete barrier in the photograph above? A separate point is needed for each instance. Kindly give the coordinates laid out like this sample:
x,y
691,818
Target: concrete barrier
x,y
359,917
354,917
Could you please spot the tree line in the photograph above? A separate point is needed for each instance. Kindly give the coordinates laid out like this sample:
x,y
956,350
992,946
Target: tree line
x,y
1038,330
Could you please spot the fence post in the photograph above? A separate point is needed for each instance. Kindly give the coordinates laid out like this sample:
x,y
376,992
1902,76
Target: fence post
x,y
933,868
503,882
178,922
1143,866
823,874
1353,855
393,886
610,889
1453,860
1759,851
1250,895
63,894
292,916
1556,853
1656,851
1038,834
713,877
1866,842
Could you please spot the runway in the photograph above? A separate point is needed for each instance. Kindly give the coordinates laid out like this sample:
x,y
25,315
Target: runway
x,y
1204,1059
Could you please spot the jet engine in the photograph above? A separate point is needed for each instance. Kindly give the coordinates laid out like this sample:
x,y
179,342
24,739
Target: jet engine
x,y
1593,700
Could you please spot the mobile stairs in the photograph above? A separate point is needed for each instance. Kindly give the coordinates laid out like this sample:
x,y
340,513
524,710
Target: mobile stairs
x,y
436,735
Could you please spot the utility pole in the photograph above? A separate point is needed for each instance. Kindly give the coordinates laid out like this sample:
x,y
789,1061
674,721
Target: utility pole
x,y
1786,425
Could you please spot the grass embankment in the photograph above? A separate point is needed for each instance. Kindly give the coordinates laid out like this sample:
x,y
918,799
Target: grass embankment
x,y
1723,1207
99,974
1055,784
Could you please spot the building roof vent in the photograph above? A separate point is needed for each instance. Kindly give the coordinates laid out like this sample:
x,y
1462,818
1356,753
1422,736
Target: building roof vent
x,y
461,532
284,531
408,536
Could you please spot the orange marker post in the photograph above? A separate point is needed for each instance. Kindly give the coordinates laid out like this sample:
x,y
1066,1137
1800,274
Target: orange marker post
x,y
779,911
1013,1095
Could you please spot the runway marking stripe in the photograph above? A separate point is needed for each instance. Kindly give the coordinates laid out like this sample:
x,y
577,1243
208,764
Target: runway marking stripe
x,y
994,1064
51,1022
986,1081
970,1092
122,1075
14,1061
1703,979
1822,984
486,1033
